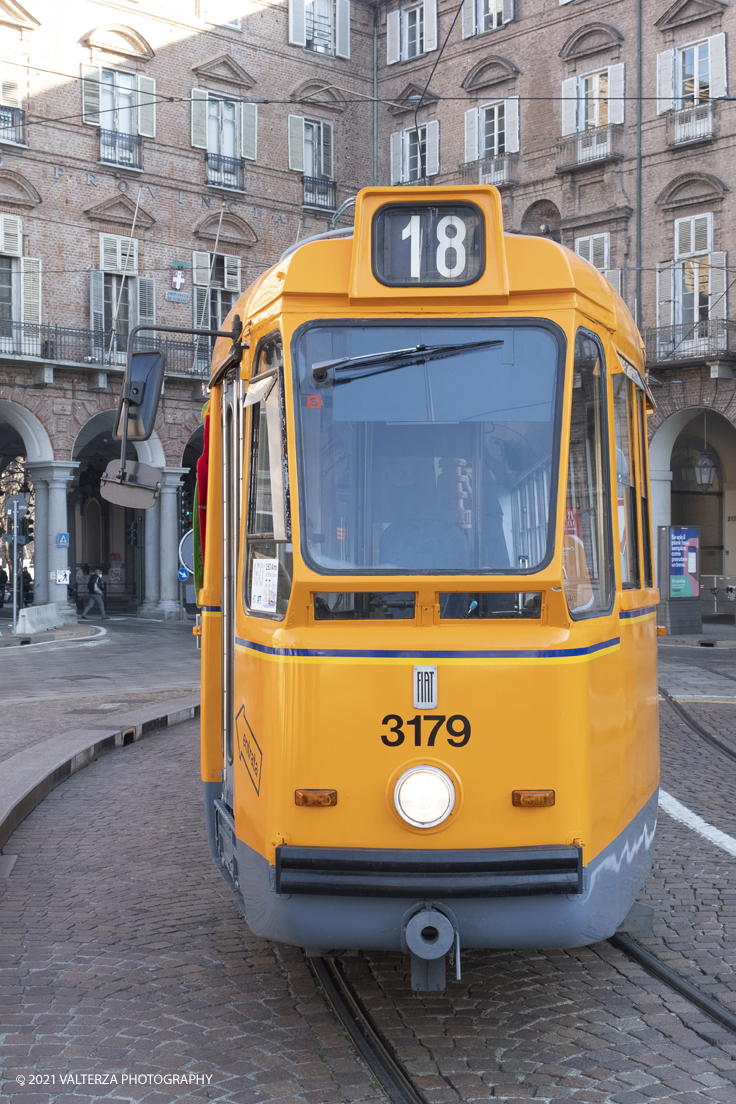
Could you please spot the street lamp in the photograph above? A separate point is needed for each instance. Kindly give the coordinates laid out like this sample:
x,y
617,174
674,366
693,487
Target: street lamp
x,y
705,471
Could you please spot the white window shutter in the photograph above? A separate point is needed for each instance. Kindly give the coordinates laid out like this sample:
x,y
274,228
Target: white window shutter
x,y
146,301
129,256
717,285
201,320
665,81
564,2
91,83
297,23
433,148
342,28
296,143
30,287
97,301
146,107
508,11
393,37
468,18
10,82
430,25
249,126
613,275
616,100
327,147
471,134
511,111
718,77
665,293
582,247
599,251
702,233
570,105
684,236
200,268
232,273
109,252
12,235
199,118
396,159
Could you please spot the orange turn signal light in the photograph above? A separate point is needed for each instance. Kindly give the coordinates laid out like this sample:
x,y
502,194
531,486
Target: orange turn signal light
x,y
533,799
315,798
661,630
196,630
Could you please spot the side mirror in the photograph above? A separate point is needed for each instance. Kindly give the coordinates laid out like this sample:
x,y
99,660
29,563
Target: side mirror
x,y
144,380
126,482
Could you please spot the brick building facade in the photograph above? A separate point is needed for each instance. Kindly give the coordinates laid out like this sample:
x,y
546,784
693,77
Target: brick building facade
x,y
157,156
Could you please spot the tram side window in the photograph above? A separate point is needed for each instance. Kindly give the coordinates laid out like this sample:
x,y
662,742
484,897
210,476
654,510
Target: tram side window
x,y
269,560
628,536
646,530
586,553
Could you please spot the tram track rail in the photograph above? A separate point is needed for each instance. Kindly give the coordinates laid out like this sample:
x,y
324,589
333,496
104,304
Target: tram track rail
x,y
698,729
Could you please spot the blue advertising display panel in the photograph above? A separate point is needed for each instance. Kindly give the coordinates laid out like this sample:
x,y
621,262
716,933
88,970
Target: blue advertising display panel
x,y
684,562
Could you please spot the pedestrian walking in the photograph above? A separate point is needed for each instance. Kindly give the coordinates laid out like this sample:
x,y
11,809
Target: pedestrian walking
x,y
94,594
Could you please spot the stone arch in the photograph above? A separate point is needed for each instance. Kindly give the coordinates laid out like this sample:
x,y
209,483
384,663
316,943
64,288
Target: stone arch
x,y
114,38
16,191
490,70
194,441
234,231
592,38
314,91
692,188
31,430
148,452
542,219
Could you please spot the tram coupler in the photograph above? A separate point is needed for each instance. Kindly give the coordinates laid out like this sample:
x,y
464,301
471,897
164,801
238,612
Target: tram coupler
x,y
429,935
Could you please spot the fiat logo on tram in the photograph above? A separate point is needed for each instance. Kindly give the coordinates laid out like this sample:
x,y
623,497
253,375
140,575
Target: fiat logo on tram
x,y
425,687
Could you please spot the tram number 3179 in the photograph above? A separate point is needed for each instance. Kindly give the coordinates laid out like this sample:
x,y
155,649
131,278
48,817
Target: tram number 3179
x,y
457,726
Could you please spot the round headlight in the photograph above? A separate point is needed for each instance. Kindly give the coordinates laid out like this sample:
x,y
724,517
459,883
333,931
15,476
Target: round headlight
x,y
424,796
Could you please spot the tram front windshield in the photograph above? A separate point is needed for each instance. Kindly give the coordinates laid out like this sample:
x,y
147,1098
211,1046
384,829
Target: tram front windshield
x,y
427,457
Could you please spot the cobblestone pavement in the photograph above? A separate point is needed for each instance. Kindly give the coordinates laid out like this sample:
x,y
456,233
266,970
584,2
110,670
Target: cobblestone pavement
x,y
123,952
63,686
115,967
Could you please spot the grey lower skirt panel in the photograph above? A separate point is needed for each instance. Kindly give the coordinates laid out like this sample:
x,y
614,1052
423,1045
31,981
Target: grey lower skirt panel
x,y
611,883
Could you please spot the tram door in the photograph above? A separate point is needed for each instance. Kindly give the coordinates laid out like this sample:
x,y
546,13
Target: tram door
x,y
232,489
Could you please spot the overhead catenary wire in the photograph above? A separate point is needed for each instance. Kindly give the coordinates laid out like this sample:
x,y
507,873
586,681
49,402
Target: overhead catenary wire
x,y
131,239
206,301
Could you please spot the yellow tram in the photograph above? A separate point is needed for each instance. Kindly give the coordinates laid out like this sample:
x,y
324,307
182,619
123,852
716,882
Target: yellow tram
x,y
429,703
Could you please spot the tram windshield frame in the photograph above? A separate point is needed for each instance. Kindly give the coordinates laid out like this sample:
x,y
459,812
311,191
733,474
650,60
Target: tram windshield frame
x,y
388,486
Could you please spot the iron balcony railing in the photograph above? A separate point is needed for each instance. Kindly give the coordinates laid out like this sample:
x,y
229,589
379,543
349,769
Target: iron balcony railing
x,y
225,172
690,341
490,170
588,146
319,193
63,345
117,148
13,125
690,124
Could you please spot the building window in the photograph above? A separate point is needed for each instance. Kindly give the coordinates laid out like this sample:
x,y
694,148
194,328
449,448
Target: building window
x,y
320,25
491,134
311,147
123,108
216,279
593,100
12,117
228,133
415,153
119,298
20,292
411,31
479,16
596,248
692,75
691,291
221,13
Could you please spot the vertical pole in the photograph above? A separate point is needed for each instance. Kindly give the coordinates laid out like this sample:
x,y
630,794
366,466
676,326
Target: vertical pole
x,y
375,95
639,108
15,565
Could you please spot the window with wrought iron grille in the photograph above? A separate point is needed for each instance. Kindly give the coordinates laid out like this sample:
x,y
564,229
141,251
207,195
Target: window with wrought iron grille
x,y
593,100
479,16
692,75
122,106
320,25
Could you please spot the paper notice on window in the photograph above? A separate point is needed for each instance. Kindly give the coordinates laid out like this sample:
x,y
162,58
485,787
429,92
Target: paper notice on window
x,y
264,585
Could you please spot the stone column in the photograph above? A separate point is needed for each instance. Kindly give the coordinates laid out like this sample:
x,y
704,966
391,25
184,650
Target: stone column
x,y
168,606
151,563
40,549
52,479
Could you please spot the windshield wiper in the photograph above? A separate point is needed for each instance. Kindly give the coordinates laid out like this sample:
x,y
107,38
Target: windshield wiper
x,y
395,358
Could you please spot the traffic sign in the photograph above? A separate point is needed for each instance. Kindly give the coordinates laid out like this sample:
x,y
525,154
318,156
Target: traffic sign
x,y
8,537
183,574
186,551
62,540
10,505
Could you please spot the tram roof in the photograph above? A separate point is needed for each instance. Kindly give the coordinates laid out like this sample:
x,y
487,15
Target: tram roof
x,y
525,276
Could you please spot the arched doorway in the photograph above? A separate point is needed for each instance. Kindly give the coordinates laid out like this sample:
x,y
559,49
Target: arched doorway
x,y
693,471
191,455
13,481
